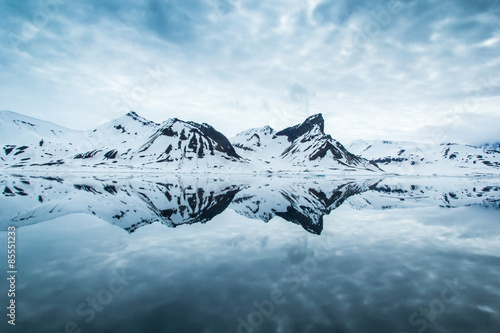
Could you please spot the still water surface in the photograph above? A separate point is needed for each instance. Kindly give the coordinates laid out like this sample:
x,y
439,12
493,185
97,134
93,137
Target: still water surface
x,y
253,254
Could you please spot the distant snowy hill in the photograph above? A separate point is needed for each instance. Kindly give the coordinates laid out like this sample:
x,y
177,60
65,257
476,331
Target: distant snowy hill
x,y
133,142
29,141
427,159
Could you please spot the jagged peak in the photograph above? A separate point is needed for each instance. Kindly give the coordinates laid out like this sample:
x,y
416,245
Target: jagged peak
x,y
316,119
267,130
132,114
312,122
137,117
170,122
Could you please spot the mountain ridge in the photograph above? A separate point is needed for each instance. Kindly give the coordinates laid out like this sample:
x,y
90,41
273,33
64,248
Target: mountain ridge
x,y
132,142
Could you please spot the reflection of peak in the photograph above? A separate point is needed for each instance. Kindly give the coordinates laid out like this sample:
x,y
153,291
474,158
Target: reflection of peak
x,y
297,217
302,202
187,205
173,201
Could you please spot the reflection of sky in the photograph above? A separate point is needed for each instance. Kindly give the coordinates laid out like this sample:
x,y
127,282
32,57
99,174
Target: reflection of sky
x,y
382,266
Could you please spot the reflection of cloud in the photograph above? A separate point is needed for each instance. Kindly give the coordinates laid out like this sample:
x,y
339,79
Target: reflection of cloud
x,y
383,266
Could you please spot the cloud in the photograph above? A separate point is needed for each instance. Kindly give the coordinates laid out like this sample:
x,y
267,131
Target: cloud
x,y
238,63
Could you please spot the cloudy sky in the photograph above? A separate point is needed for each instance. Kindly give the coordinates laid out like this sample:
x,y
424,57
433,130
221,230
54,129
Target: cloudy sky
x,y
386,69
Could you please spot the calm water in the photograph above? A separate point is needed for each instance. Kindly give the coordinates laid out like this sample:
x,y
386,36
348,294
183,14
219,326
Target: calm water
x,y
252,254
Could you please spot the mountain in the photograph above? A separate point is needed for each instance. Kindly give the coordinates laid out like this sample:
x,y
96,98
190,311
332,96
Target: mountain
x,y
175,144
492,148
133,142
301,147
427,159
130,141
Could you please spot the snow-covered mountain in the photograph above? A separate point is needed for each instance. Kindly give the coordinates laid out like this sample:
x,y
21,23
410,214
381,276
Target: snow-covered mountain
x,y
131,203
174,145
29,141
129,141
304,147
133,142
427,159
491,147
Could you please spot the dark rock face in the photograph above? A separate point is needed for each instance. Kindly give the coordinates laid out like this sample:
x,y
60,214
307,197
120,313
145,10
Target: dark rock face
x,y
201,140
140,119
136,141
111,154
223,145
310,140
307,126
8,149
86,155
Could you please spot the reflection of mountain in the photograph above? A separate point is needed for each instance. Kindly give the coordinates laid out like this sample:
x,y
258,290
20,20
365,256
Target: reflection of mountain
x,y
133,202
444,192
304,203
128,203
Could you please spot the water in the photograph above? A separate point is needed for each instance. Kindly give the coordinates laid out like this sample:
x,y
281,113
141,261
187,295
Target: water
x,y
101,253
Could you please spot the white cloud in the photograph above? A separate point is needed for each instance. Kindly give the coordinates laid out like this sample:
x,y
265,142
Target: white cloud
x,y
242,63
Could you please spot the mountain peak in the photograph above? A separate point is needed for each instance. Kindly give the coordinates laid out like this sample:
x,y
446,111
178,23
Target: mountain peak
x,y
312,122
316,119
135,116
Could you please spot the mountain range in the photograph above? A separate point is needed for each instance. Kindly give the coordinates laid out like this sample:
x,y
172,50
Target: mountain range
x,y
132,142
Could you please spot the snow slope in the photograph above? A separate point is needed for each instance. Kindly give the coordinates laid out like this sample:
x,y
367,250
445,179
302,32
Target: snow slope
x,y
133,142
427,159
127,142
303,147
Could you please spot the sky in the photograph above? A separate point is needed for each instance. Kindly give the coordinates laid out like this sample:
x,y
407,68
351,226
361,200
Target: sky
x,y
415,70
